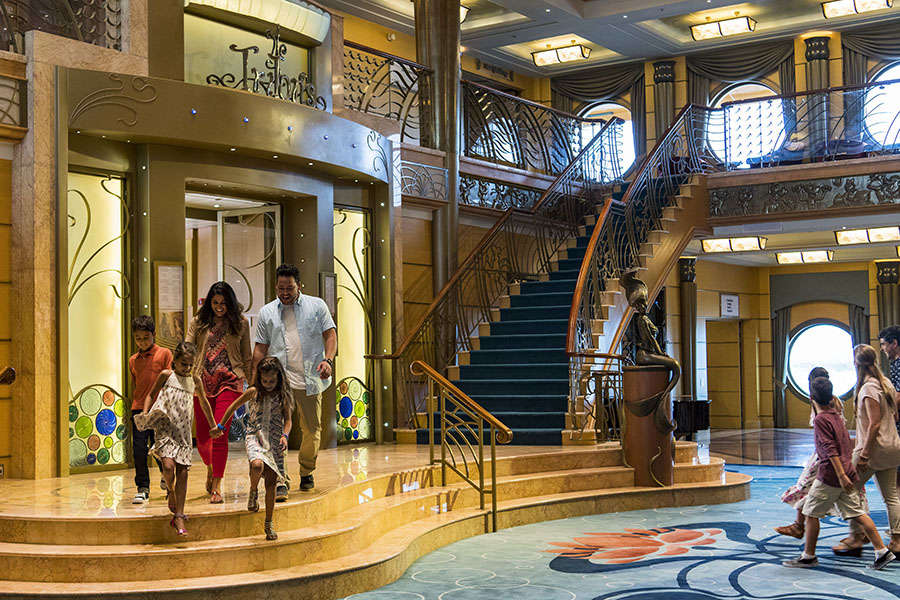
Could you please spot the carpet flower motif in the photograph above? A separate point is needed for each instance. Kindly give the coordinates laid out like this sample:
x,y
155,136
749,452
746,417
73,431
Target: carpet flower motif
x,y
635,544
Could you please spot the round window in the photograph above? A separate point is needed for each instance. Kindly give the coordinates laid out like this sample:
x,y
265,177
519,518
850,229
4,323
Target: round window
x,y
878,109
821,345
752,129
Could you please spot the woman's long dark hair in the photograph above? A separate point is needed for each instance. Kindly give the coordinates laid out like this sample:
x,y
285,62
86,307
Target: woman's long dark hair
x,y
232,314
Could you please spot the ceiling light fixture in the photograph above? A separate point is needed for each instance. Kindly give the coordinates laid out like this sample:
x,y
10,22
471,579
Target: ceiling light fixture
x,y
463,13
873,235
842,8
804,257
553,56
715,29
738,244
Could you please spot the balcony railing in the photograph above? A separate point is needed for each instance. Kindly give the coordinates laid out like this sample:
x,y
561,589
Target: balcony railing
x,y
505,129
387,86
97,22
819,125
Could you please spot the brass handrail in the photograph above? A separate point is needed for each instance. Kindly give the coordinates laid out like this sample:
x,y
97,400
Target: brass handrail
x,y
391,57
465,419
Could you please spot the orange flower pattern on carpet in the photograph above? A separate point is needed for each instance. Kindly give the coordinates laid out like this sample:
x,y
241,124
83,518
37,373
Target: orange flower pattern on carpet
x,y
635,544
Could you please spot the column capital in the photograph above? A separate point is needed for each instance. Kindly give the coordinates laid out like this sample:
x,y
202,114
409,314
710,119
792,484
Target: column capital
x,y
687,269
887,271
817,48
664,71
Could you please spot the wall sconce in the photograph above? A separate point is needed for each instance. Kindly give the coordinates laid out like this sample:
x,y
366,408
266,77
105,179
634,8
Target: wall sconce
x,y
552,56
842,8
740,244
846,237
804,257
714,29
463,13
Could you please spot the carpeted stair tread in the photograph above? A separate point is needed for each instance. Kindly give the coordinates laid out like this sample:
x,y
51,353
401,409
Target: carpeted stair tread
x,y
527,402
513,371
533,313
570,274
485,387
576,253
542,299
548,287
521,437
555,341
518,355
520,421
529,327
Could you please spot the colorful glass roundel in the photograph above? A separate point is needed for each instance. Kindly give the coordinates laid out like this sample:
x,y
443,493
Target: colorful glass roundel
x,y
353,411
96,428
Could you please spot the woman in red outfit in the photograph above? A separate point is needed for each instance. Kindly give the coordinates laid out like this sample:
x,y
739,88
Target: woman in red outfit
x,y
222,334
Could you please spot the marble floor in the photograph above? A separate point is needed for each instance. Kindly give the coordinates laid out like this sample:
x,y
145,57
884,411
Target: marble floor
x,y
109,493
774,447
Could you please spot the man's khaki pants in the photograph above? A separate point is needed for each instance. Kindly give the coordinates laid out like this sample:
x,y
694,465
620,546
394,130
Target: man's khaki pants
x,y
309,411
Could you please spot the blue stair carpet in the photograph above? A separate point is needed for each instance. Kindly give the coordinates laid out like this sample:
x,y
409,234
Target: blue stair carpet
x,y
521,372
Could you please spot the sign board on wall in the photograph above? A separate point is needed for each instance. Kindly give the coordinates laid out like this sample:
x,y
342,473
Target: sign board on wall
x,y
730,306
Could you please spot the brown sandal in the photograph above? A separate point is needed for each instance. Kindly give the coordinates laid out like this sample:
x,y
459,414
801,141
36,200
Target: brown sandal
x,y
794,530
216,498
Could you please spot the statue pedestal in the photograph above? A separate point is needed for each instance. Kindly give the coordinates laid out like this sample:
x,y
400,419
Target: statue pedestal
x,y
650,452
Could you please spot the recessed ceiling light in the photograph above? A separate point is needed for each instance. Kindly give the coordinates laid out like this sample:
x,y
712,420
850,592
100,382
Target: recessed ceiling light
x,y
546,10
309,164
738,244
274,156
232,149
217,206
872,235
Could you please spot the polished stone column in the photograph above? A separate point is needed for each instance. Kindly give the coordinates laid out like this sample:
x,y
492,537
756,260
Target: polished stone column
x,y
687,286
887,272
663,95
437,46
817,79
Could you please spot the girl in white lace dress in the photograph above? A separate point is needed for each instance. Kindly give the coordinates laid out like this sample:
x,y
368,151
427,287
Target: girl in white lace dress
x,y
170,417
268,423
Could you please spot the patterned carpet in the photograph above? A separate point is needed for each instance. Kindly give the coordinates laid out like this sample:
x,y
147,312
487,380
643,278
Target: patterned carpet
x,y
716,552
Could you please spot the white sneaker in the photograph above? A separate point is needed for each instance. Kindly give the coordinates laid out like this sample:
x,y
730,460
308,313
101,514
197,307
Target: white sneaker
x,y
143,494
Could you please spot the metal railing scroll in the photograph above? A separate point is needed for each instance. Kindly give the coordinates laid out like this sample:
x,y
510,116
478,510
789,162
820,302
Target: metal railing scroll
x,y
459,425
97,22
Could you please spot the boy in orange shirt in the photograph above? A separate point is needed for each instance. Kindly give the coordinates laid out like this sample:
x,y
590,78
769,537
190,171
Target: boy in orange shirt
x,y
145,366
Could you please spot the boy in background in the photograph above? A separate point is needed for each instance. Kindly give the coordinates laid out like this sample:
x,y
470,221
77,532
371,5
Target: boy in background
x,y
835,481
145,365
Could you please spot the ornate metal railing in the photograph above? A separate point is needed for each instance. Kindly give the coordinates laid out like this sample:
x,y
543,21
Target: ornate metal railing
x,y
505,129
423,181
519,247
497,195
461,424
828,124
380,84
621,228
97,22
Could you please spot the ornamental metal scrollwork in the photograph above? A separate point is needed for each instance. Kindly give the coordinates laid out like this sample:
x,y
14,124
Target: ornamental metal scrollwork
x,y
486,193
141,92
97,22
271,82
423,181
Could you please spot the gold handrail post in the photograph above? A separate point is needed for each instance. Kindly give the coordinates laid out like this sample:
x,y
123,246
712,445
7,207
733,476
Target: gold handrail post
x,y
493,479
443,413
481,460
430,386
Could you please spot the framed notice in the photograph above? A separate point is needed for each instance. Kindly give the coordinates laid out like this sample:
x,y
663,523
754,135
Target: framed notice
x,y
168,302
730,306
328,291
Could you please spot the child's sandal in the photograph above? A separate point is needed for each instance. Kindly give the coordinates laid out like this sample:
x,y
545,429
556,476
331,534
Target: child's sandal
x,y
270,533
253,501
179,530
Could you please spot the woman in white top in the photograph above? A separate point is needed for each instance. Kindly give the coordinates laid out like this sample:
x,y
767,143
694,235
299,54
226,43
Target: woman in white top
x,y
877,450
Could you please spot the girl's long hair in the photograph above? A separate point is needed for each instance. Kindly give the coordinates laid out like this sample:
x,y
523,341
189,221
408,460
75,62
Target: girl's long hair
x,y
233,307
270,364
864,358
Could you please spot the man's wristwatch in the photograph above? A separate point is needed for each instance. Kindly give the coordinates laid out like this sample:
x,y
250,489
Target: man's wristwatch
x,y
330,363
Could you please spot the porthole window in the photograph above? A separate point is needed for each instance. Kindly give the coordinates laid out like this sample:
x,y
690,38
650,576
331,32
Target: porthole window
x,y
821,344
606,111
880,108
752,129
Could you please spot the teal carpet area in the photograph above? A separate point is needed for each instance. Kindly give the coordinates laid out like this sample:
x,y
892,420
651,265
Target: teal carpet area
x,y
718,552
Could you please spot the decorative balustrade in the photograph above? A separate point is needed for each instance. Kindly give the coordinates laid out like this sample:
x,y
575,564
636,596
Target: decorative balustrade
x,y
383,85
97,22
504,129
819,125
459,425
614,247
519,247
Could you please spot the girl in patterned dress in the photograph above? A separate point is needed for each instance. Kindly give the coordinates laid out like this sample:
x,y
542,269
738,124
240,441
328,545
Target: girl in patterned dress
x,y
170,417
268,423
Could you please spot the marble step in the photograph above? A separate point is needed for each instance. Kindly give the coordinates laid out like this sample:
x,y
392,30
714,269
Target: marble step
x,y
390,555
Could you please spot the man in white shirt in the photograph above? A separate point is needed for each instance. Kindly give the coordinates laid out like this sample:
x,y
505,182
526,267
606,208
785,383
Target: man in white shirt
x,y
299,331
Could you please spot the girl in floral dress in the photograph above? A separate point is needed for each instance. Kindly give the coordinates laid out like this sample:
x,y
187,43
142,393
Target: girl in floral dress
x,y
268,423
170,417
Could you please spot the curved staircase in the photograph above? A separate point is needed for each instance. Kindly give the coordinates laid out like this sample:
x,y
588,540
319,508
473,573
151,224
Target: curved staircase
x,y
331,544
